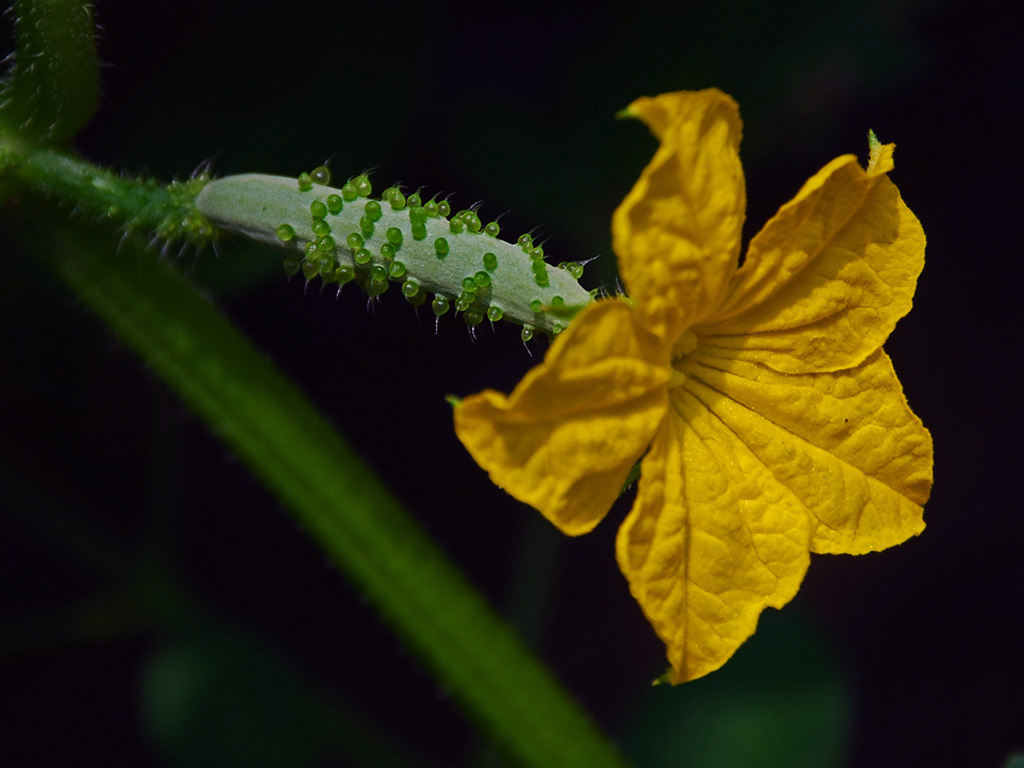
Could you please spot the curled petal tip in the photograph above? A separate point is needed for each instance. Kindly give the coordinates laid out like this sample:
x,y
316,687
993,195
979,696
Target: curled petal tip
x,y
879,155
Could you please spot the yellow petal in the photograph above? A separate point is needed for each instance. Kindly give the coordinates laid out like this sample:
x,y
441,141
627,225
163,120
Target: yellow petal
x,y
677,233
828,277
712,539
846,444
565,440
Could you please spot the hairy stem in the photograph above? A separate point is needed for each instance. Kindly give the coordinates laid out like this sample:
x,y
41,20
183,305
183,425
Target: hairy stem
x,y
137,205
54,86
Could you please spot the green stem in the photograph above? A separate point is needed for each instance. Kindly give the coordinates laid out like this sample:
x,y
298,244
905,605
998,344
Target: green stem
x,y
137,205
54,86
268,423
45,100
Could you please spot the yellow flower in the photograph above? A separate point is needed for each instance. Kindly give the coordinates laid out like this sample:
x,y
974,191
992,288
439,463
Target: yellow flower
x,y
768,418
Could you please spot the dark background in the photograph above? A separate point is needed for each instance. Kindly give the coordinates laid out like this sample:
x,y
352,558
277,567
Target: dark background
x,y
159,607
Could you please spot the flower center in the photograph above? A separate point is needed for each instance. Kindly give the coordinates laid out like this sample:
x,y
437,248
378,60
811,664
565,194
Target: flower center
x,y
685,345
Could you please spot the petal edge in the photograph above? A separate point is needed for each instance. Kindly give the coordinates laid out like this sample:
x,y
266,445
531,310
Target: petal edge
x,y
827,279
712,540
677,232
565,440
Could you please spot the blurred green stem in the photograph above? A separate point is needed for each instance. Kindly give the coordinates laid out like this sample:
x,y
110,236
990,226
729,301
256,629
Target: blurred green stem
x,y
54,86
69,179
287,443
47,97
